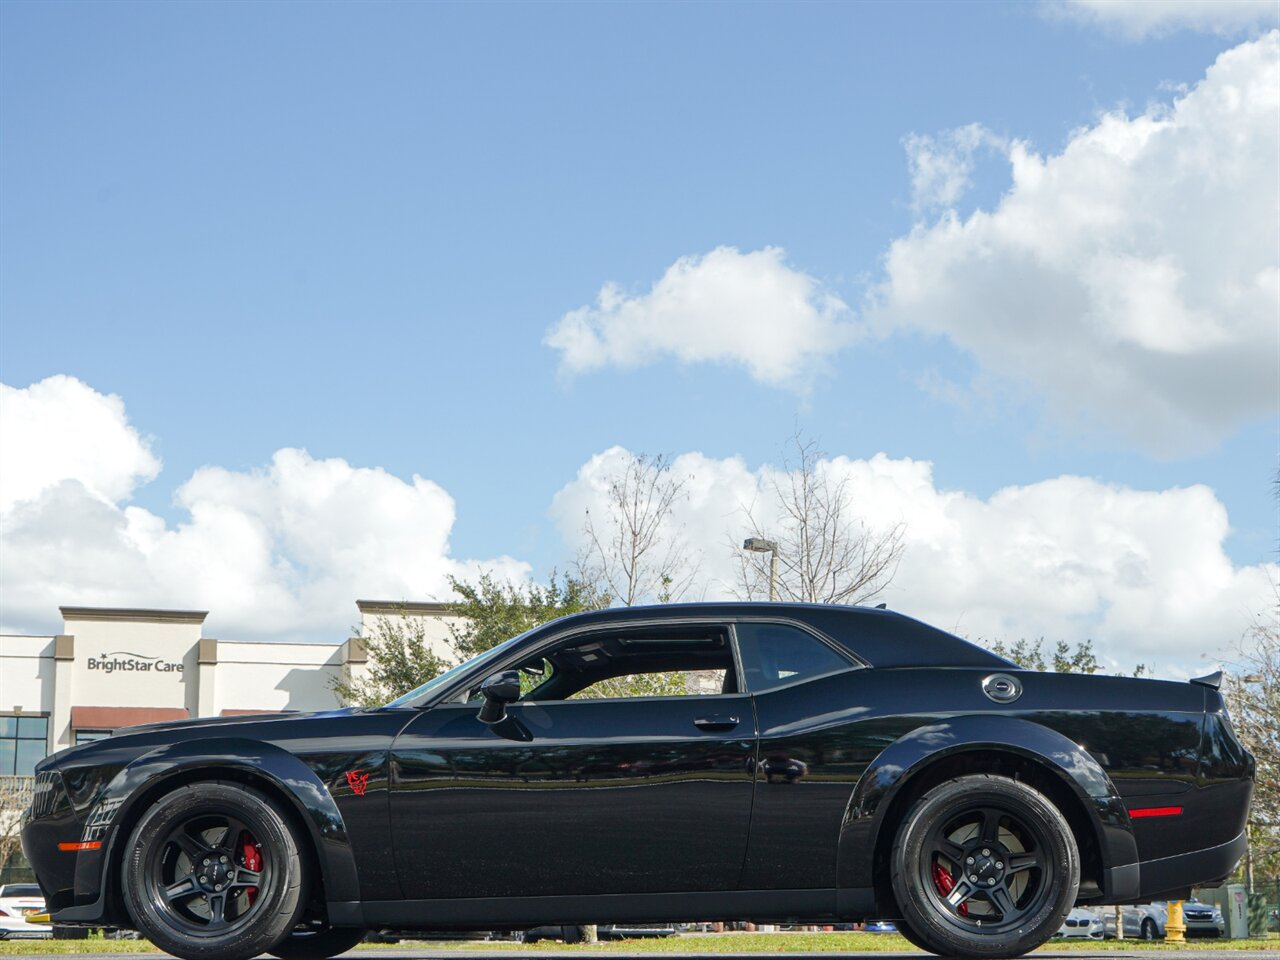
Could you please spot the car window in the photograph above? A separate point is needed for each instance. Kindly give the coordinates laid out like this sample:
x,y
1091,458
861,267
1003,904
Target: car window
x,y
775,654
670,683
667,660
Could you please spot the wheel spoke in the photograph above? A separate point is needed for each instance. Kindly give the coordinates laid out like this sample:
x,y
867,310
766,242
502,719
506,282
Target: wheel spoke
x,y
989,830
191,845
247,878
951,850
961,892
1019,862
217,910
181,889
235,829
1002,899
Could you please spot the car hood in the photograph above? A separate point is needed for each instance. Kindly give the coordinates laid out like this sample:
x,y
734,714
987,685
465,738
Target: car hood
x,y
240,719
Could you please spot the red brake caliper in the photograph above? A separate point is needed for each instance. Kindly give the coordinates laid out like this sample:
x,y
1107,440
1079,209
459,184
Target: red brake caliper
x,y
252,861
942,880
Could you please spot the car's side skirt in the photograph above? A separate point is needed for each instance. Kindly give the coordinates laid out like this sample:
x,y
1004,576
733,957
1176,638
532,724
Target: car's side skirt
x,y
517,912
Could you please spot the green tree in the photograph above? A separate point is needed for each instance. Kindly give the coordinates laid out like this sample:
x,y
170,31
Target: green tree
x,y
490,611
1063,658
1253,697
400,659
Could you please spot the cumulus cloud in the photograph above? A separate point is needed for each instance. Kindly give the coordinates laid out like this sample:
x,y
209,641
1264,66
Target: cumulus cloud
x,y
942,165
280,551
1134,277
749,309
1139,19
61,428
1143,573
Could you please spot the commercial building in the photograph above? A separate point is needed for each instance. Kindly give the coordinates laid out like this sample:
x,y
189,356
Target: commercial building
x,y
112,668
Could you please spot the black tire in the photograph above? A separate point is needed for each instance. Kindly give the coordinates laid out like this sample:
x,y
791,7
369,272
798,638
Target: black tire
x,y
911,936
1148,929
984,867
188,877
317,944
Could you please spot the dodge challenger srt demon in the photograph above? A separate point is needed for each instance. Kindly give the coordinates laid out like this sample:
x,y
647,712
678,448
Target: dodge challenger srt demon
x,y
821,764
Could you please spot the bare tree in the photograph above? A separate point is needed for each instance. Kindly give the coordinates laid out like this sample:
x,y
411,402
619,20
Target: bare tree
x,y
15,795
1253,696
826,553
633,548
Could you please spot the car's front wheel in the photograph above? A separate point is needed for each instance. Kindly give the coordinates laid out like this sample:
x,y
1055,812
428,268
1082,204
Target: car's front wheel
x,y
985,867
213,872
1148,929
318,944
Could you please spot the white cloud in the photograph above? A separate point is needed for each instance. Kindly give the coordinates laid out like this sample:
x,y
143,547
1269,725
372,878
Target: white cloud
x,y
280,551
749,309
1142,573
942,165
59,429
1139,19
1133,278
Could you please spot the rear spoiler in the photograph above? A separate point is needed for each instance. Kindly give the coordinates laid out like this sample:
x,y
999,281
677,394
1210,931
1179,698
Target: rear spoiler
x,y
1213,680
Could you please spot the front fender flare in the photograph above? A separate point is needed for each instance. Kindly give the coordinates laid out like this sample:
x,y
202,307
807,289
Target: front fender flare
x,y
890,772
251,760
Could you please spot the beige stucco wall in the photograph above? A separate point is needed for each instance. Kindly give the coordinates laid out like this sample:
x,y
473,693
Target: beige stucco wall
x,y
26,672
276,676
133,663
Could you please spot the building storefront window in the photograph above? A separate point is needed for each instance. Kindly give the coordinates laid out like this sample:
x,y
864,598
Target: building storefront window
x,y
23,741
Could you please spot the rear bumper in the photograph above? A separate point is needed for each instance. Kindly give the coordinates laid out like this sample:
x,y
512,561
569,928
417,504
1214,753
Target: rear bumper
x,y
1171,878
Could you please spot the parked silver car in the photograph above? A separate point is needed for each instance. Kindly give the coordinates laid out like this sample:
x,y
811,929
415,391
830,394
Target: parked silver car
x,y
1143,921
1147,921
1203,919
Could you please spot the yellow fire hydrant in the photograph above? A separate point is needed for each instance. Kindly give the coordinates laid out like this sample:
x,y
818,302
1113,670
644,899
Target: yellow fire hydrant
x,y
1174,926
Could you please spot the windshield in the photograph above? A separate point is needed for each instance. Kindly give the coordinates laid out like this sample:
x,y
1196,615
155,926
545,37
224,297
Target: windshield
x,y
410,699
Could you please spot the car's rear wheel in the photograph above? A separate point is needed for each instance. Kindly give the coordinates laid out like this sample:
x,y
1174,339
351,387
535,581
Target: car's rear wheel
x,y
318,944
213,872
984,866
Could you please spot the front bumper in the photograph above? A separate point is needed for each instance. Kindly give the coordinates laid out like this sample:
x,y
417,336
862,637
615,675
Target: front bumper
x,y
59,843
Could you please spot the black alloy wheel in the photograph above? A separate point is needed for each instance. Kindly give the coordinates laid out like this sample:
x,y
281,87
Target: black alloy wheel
x,y
984,866
213,872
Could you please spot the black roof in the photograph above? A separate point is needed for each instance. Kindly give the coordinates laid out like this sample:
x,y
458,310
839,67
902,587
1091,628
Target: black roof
x,y
883,638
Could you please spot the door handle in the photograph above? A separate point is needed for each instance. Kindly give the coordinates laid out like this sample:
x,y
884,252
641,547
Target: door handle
x,y
716,722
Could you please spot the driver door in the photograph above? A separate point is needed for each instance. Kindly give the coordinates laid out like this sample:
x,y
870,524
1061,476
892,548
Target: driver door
x,y
587,794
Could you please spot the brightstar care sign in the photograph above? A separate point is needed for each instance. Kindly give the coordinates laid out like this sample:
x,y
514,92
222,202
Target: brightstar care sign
x,y
123,660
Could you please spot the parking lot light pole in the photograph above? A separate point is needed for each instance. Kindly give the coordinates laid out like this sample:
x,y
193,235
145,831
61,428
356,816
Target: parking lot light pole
x,y
761,545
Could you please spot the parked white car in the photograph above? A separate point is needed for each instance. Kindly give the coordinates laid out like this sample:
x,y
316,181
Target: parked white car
x,y
1082,924
17,902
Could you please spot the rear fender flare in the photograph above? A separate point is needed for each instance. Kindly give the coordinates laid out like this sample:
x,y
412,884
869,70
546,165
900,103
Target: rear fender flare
x,y
900,762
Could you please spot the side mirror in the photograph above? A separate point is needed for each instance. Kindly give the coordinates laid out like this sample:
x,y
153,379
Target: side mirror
x,y
499,690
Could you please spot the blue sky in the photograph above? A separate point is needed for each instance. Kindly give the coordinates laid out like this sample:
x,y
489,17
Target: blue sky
x,y
349,228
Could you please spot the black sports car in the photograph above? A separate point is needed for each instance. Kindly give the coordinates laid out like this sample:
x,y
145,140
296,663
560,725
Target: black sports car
x,y
825,764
